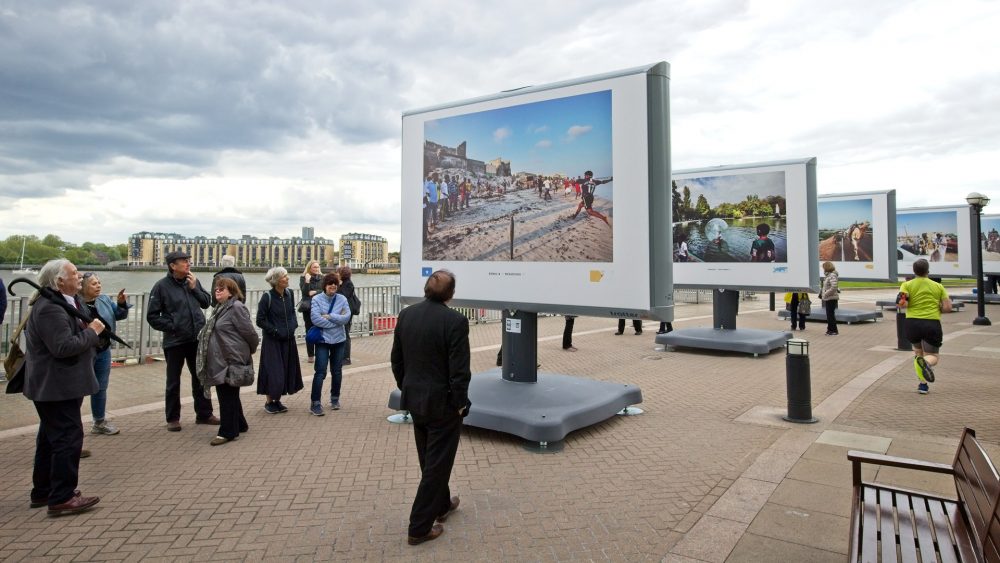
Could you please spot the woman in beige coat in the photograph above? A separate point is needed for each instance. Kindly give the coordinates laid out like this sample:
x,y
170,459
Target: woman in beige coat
x,y
830,295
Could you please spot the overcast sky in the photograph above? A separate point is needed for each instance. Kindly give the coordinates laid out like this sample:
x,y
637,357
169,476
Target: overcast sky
x,y
228,118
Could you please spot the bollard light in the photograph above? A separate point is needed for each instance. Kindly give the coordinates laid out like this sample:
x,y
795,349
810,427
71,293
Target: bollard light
x,y
797,347
797,381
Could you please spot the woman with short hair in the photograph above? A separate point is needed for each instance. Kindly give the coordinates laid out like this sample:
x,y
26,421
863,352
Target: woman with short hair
x,y
330,312
228,339
830,294
279,372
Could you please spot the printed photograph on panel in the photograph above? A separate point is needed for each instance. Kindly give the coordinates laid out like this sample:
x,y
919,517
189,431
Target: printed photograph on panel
x,y
989,240
738,218
845,230
932,235
531,182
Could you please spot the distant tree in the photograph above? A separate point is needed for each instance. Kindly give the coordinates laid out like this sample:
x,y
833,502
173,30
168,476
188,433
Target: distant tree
x,y
53,241
704,210
675,198
687,203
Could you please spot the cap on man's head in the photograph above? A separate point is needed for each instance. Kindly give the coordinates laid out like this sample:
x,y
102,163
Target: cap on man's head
x,y
177,255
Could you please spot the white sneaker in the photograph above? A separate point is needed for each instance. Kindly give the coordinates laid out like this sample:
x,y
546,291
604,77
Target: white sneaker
x,y
104,427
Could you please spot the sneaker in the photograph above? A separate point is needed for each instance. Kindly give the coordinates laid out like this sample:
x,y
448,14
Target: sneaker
x,y
271,408
281,407
316,409
926,368
346,362
335,404
104,427
638,332
619,333
923,389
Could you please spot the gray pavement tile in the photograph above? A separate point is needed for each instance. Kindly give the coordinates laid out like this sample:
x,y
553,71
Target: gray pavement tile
x,y
711,539
743,500
855,441
759,549
812,497
808,528
836,474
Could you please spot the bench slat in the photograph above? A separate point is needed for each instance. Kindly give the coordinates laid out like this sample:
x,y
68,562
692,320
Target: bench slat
x,y
907,545
922,522
887,527
977,484
869,525
963,535
939,517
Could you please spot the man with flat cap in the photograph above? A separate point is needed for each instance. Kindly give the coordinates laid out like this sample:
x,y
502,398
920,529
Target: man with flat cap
x,y
430,361
175,309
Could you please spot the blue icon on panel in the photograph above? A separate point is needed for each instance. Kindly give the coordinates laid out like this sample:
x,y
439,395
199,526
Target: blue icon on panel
x,y
426,272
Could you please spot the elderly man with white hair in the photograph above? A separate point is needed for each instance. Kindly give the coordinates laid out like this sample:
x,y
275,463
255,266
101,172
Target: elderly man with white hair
x,y
59,373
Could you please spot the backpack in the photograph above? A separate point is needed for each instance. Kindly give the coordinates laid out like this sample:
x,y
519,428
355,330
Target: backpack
x,y
354,303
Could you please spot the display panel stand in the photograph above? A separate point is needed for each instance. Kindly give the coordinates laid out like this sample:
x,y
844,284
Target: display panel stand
x,y
848,316
724,335
538,406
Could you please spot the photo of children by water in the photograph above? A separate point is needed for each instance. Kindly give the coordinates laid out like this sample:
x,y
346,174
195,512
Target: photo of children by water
x,y
845,230
736,218
531,182
931,235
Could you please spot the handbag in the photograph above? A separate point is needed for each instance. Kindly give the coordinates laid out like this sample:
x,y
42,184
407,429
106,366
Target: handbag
x,y
805,306
239,375
305,304
315,334
13,364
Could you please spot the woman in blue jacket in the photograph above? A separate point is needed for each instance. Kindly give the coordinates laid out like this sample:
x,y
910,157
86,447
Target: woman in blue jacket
x,y
329,312
109,311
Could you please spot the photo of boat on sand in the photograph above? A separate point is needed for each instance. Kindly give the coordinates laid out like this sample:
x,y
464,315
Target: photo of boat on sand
x,y
845,230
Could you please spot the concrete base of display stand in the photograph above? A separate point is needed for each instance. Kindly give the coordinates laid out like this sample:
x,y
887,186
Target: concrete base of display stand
x,y
849,316
746,340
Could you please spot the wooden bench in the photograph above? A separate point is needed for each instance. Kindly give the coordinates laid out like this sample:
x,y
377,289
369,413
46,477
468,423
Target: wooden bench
x,y
894,524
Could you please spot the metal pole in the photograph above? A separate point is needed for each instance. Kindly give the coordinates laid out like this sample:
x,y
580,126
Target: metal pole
x,y
981,319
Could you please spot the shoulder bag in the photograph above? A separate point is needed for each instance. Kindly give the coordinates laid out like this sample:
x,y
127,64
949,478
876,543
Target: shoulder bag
x,y
315,334
13,364
239,375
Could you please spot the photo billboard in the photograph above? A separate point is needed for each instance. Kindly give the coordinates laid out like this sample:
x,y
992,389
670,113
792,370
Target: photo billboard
x,y
740,227
940,235
989,241
857,233
545,198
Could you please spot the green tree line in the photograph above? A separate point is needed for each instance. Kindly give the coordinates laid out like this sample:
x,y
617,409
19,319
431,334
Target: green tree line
x,y
752,206
40,250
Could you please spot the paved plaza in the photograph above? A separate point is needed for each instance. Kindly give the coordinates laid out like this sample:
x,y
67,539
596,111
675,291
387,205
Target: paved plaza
x,y
709,472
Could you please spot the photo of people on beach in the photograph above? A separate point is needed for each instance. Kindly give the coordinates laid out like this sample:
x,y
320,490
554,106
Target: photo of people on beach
x,y
845,230
735,218
531,182
932,235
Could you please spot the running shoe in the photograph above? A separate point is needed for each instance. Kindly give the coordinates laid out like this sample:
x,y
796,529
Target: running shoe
x,y
104,427
928,372
923,389
271,408
317,409
335,404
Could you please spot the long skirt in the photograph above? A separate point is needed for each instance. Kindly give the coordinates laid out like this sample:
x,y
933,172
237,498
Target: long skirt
x,y
279,372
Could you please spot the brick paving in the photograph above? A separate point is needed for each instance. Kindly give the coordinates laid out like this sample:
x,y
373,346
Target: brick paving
x,y
659,486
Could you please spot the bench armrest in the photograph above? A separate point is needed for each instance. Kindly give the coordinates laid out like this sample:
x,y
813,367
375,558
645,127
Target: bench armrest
x,y
858,457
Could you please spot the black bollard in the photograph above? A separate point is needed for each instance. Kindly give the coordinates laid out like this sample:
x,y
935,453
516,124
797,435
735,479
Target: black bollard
x,y
797,381
901,343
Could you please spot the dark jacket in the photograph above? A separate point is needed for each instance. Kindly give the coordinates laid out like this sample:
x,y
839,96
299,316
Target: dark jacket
x,y
315,284
236,276
3,300
233,342
60,355
430,360
176,310
276,315
347,290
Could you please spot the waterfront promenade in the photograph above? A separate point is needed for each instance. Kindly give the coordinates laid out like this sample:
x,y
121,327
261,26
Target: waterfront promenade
x,y
709,472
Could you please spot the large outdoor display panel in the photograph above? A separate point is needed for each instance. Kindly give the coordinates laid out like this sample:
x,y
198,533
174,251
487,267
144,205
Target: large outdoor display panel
x,y
552,198
857,233
940,235
746,226
989,241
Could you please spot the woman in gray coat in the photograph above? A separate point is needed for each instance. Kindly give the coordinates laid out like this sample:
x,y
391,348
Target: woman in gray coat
x,y
228,339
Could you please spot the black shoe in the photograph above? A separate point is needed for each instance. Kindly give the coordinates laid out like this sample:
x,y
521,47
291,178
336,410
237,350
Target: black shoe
x,y
281,407
619,333
638,332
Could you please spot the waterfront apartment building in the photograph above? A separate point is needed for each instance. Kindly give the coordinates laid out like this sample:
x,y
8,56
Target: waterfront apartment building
x,y
145,249
361,251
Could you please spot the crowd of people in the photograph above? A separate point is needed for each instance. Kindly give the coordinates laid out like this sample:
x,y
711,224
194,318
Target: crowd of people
x,y
448,193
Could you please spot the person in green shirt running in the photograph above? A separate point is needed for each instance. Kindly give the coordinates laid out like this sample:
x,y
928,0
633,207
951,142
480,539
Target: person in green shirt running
x,y
924,300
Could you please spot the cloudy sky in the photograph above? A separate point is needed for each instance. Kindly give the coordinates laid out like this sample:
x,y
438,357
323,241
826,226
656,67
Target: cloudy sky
x,y
257,117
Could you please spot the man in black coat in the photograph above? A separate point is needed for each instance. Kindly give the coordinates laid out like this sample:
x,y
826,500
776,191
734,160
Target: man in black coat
x,y
175,308
430,360
228,263
58,374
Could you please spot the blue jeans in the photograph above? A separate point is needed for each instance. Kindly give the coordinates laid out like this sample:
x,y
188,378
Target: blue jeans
x,y
332,354
102,369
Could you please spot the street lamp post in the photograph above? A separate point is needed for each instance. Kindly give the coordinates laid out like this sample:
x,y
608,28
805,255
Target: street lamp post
x,y
978,201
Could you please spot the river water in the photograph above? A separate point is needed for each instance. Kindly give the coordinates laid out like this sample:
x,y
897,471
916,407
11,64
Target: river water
x,y
142,282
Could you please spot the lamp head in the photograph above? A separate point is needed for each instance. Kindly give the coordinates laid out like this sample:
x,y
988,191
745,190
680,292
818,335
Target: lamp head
x,y
977,199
